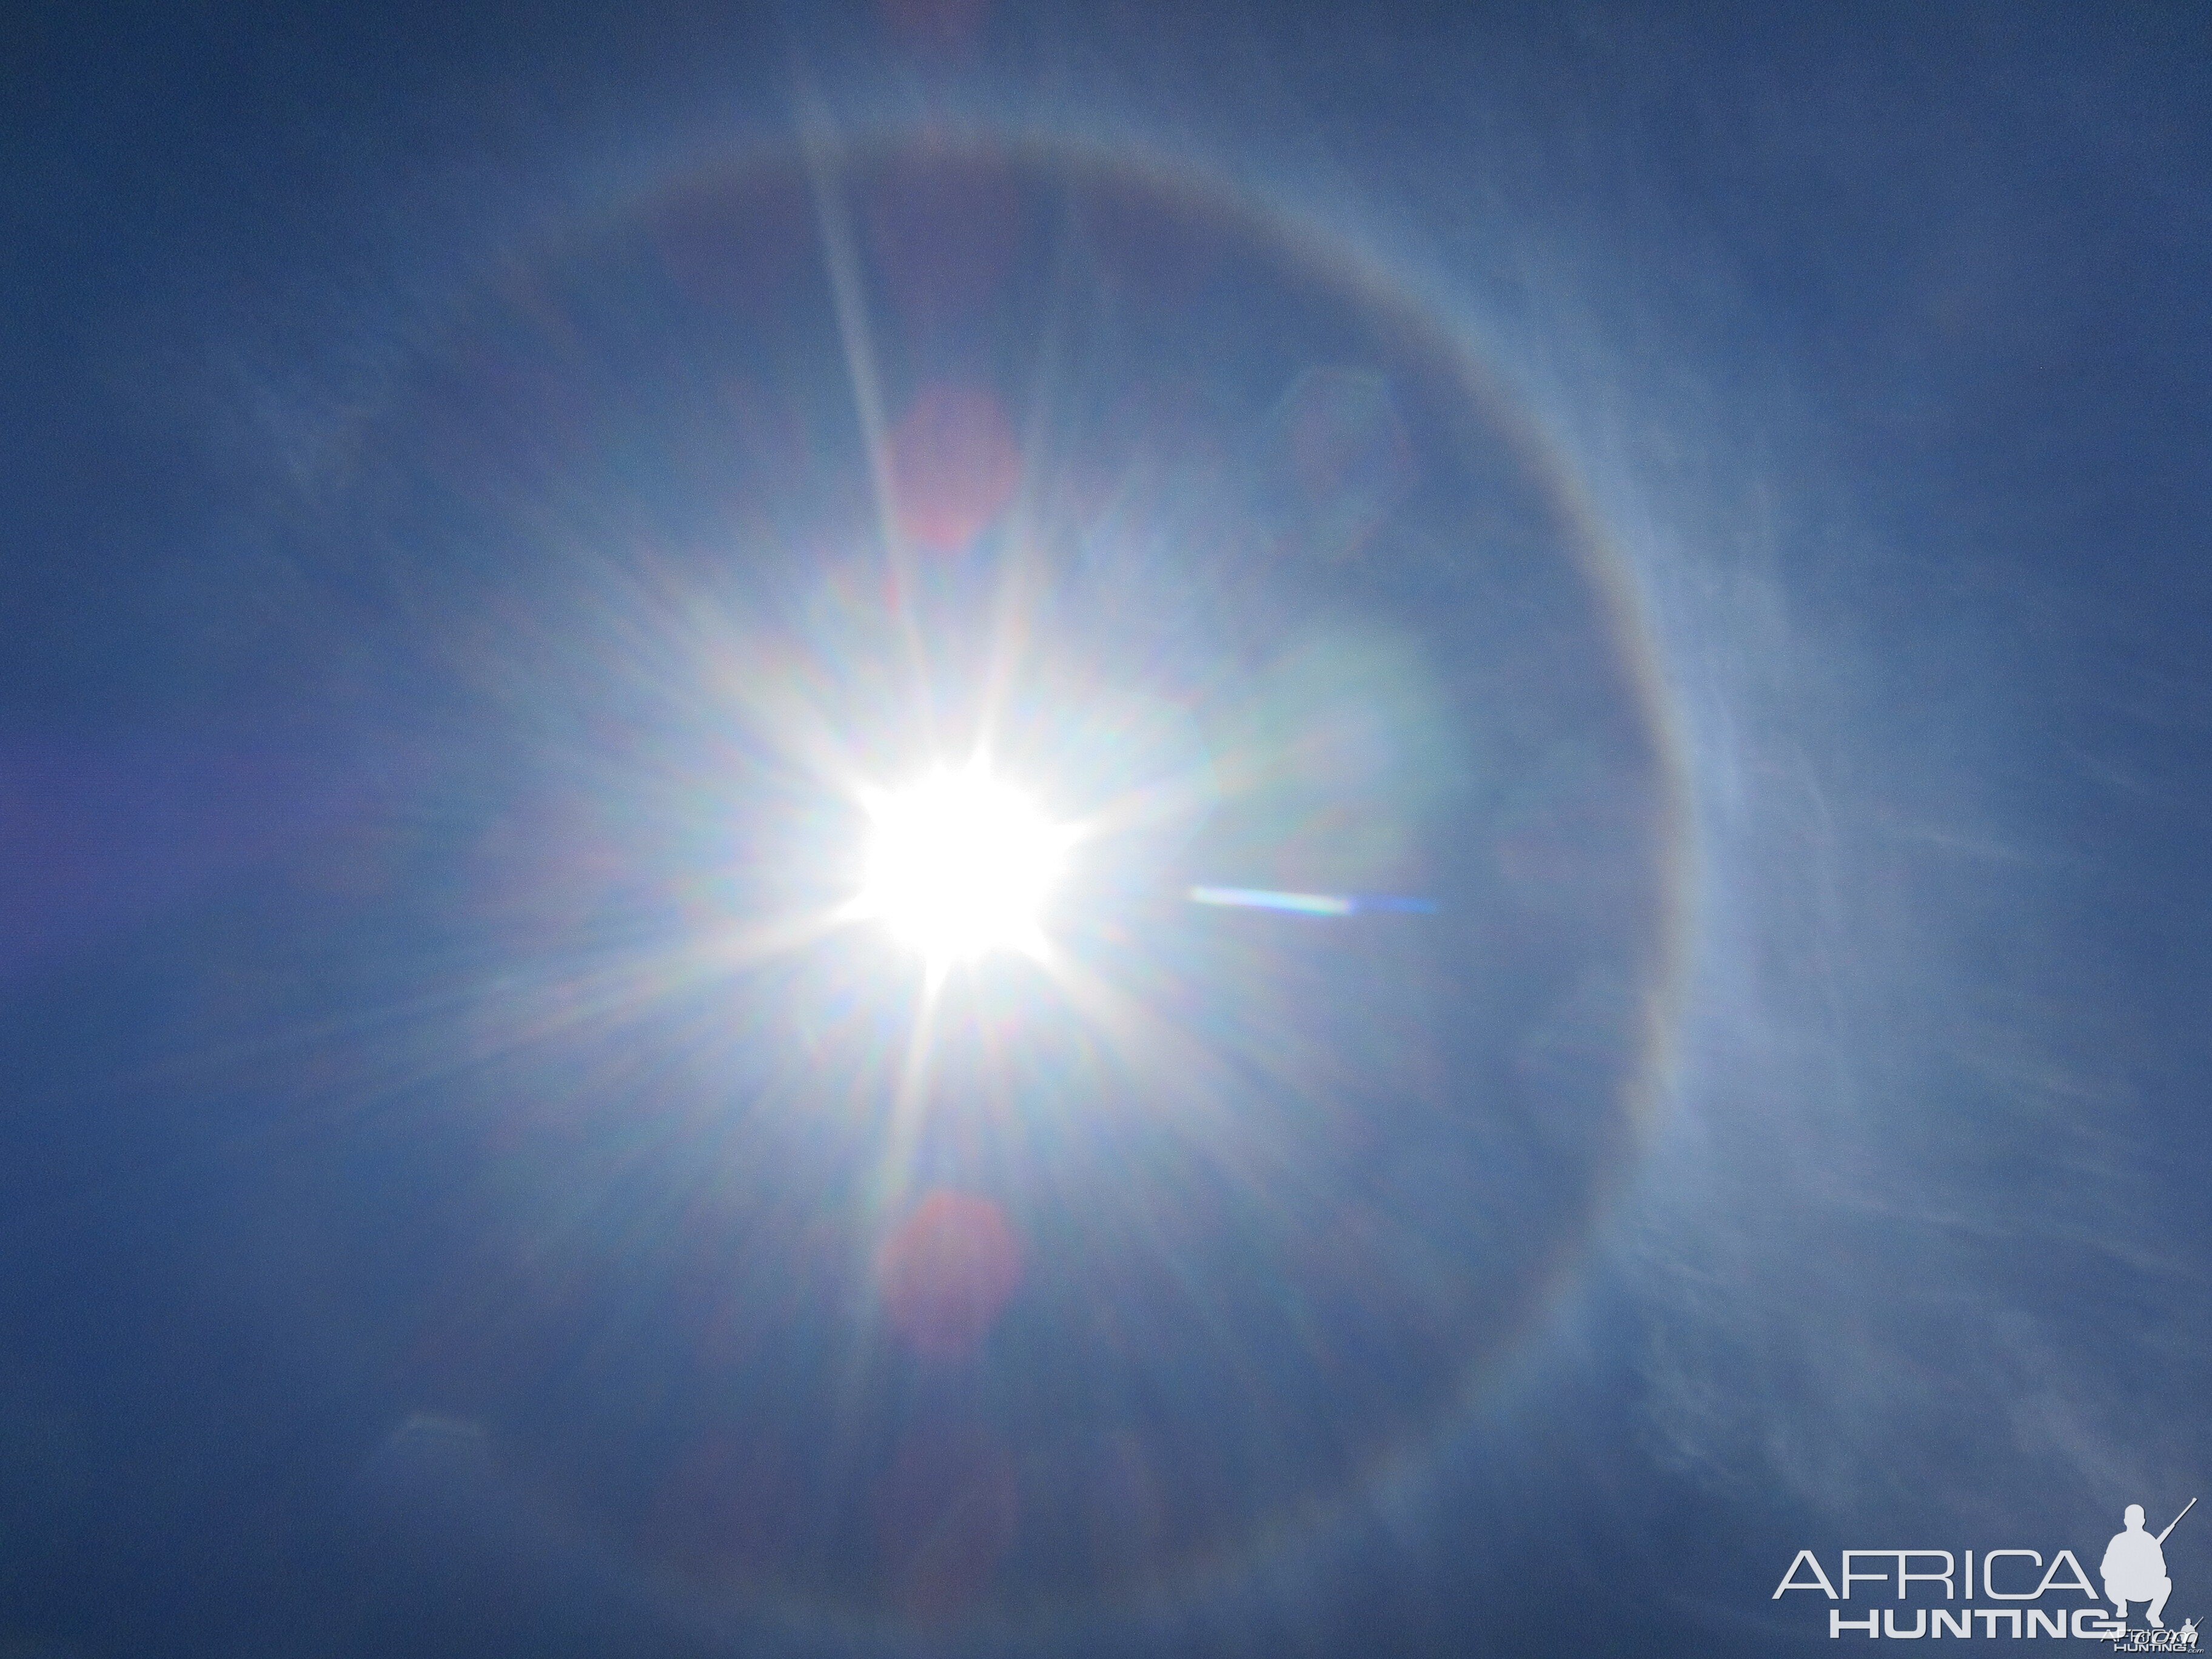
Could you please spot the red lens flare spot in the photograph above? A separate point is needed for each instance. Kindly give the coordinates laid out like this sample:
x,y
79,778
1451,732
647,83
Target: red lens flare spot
x,y
947,1273
954,465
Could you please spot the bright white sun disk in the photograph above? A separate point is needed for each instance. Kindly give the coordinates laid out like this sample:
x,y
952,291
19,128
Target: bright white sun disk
x,y
961,863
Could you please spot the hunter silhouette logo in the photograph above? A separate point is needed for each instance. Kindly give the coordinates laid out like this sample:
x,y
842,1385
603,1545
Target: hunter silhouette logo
x,y
2133,1570
2134,1566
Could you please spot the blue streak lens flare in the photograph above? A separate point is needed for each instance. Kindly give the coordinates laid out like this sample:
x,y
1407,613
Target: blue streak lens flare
x,y
1312,904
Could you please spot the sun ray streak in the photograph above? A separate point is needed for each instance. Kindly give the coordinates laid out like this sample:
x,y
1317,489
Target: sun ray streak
x,y
842,261
1020,580
910,1103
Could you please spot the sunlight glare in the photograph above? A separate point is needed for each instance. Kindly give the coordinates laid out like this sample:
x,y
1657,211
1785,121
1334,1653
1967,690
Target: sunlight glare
x,y
961,863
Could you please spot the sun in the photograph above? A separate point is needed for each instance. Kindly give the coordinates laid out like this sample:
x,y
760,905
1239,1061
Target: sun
x,y
959,865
